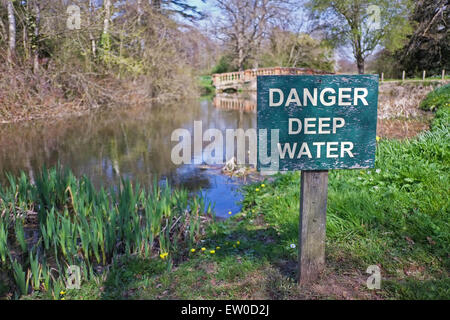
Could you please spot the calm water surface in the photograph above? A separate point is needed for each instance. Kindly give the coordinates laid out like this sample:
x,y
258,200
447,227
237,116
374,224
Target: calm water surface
x,y
132,143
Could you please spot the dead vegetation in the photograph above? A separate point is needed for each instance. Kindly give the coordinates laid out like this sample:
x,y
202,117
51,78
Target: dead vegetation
x,y
402,100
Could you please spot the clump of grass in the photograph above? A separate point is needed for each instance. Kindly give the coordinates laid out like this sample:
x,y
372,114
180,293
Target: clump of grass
x,y
206,86
436,99
79,225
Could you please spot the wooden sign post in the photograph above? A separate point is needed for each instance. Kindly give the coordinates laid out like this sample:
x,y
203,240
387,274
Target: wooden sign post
x,y
312,226
314,123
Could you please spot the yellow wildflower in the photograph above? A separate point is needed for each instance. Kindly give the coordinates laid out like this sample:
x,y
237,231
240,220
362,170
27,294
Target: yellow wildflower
x,y
217,248
163,255
238,242
62,292
212,251
229,212
257,189
378,138
263,185
203,249
192,250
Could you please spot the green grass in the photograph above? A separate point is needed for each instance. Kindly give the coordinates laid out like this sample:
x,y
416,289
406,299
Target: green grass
x,y
233,271
206,87
439,98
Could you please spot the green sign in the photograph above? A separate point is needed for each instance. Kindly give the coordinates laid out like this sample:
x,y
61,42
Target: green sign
x,y
316,122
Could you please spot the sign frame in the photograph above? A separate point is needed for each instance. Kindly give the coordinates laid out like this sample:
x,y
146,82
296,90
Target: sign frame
x,y
324,121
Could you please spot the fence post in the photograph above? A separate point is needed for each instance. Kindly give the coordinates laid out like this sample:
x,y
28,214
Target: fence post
x,y
403,75
382,76
423,77
443,74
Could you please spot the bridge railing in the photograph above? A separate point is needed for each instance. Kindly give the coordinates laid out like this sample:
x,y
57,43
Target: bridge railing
x,y
223,79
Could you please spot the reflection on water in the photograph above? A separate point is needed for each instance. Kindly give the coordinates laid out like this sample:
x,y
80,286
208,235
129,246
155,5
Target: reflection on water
x,y
131,143
245,102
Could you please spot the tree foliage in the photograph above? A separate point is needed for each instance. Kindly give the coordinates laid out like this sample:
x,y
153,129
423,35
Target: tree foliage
x,y
289,49
428,47
243,25
122,52
363,25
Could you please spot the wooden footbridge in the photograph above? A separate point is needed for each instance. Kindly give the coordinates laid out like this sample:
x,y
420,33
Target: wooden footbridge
x,y
246,80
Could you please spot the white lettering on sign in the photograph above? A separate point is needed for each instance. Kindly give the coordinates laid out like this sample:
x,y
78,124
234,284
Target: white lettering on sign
x,y
327,97
331,100
361,96
343,97
291,125
295,125
281,97
293,97
330,150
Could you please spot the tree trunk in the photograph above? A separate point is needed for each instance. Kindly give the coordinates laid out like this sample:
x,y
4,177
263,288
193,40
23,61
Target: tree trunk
x,y
360,64
139,12
91,36
241,59
240,52
37,10
106,39
157,4
12,31
3,33
107,7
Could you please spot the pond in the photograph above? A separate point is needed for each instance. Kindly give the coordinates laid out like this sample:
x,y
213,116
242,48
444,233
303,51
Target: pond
x,y
132,143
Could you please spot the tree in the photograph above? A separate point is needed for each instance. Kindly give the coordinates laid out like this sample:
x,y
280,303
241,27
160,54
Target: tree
x,y
121,52
300,50
36,35
180,7
106,37
428,47
12,30
3,32
244,24
363,25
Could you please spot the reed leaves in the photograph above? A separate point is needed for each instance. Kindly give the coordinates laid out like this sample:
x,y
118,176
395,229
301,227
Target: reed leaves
x,y
79,225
